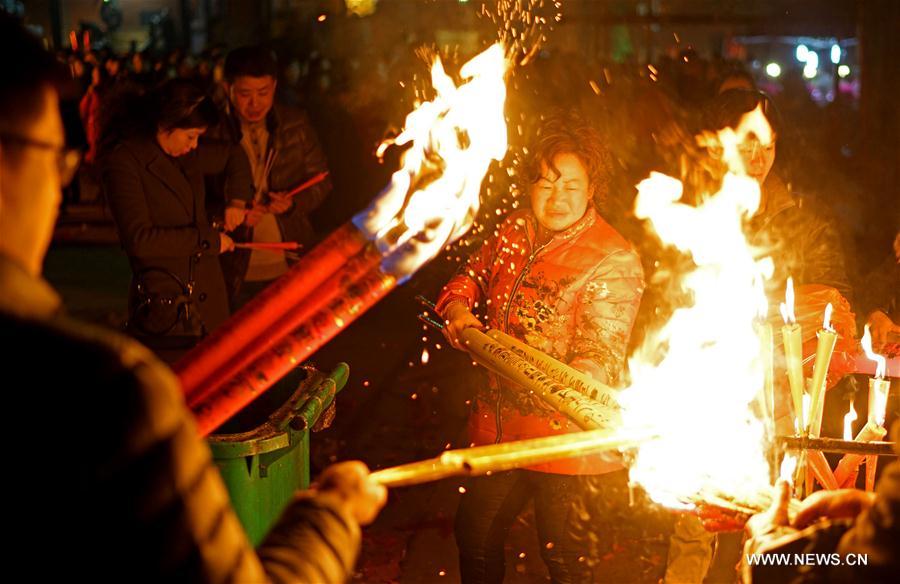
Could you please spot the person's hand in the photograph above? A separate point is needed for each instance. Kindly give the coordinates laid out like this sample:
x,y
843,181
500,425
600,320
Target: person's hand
x,y
457,317
234,216
255,214
776,515
226,244
279,202
881,326
350,482
839,504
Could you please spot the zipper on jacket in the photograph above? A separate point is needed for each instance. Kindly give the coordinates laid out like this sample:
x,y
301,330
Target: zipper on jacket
x,y
498,419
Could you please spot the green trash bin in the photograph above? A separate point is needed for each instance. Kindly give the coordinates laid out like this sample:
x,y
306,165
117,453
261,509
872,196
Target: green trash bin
x,y
263,453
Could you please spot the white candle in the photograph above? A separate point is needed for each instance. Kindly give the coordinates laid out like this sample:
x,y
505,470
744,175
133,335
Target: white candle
x,y
827,338
791,334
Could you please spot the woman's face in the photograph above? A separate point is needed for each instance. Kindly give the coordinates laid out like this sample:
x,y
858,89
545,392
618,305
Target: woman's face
x,y
558,200
758,157
179,141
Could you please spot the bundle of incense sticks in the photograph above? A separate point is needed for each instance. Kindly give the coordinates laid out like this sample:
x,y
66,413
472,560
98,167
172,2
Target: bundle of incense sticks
x,y
303,326
587,402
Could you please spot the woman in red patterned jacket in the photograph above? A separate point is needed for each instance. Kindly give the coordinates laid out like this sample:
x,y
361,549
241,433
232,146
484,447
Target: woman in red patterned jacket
x,y
560,278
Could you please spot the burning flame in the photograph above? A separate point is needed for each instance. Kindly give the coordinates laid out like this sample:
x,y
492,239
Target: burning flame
x,y
880,361
697,395
787,307
433,199
826,321
878,388
788,466
848,423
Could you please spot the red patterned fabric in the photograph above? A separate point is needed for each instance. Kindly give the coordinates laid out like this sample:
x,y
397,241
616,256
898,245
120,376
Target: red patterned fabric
x,y
574,298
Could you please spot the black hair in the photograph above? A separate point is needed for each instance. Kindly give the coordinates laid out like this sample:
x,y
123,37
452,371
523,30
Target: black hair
x,y
27,71
176,104
568,133
182,104
726,109
250,61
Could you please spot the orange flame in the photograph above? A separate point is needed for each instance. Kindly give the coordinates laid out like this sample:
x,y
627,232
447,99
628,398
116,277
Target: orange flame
x,y
826,321
788,466
848,422
787,307
880,361
697,396
433,199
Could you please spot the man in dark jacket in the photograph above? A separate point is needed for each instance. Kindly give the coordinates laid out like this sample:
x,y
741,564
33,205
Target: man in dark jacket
x,y
125,490
284,153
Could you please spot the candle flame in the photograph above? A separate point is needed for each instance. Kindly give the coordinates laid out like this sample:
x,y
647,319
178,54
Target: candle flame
x,y
787,307
433,199
712,367
848,422
880,361
788,466
826,321
425,356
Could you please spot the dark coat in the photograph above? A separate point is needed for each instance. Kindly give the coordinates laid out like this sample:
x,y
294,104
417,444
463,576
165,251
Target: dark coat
x,y
142,501
158,203
298,158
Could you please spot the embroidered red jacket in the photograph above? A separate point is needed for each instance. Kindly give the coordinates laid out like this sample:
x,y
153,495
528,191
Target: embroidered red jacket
x,y
574,298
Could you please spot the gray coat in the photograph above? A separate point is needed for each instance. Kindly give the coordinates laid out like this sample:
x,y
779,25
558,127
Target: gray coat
x,y
158,203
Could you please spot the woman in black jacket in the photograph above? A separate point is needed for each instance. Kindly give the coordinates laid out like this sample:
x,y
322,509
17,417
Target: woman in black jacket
x,y
153,179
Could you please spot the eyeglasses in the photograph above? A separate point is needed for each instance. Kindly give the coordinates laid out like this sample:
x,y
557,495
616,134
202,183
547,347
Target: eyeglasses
x,y
67,159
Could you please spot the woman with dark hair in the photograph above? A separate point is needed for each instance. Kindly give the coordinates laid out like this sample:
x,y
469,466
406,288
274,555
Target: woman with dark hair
x,y
558,277
804,242
153,179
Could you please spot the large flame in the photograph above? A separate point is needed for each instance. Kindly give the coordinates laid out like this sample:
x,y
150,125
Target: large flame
x,y
433,199
697,394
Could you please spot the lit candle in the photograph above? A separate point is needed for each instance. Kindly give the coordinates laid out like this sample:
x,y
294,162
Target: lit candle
x,y
878,394
827,338
793,353
848,422
878,385
849,463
